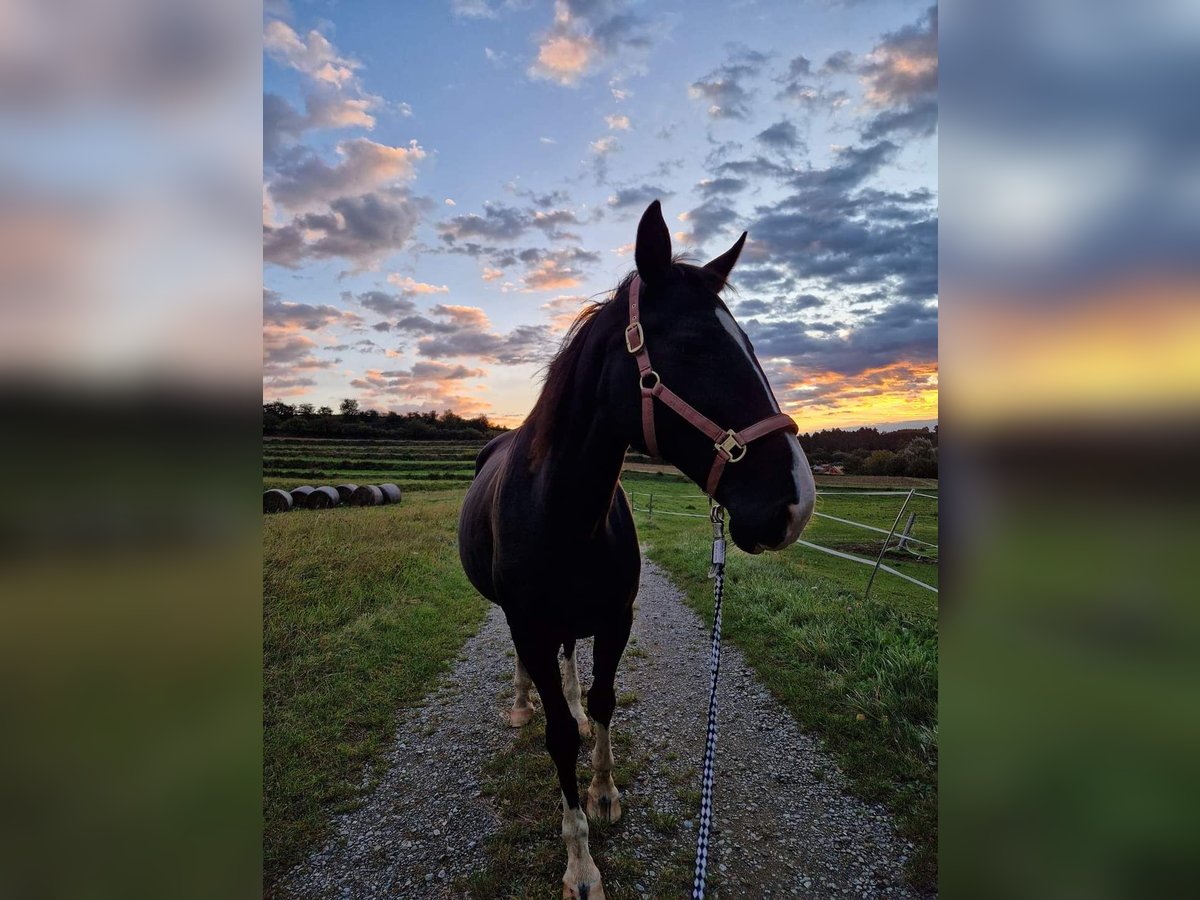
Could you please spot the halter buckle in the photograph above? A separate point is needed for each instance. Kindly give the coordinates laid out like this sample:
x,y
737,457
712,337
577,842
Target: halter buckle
x,y
730,443
636,328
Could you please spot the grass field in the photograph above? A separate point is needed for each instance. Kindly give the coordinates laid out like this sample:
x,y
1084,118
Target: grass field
x,y
413,465
349,592
362,609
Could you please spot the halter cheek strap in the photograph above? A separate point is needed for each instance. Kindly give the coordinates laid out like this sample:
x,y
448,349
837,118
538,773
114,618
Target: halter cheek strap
x,y
730,445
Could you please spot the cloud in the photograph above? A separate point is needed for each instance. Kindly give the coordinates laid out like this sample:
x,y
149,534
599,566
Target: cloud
x,y
409,287
313,56
799,67
287,316
363,230
708,219
498,222
472,9
605,145
781,136
307,181
284,124
639,196
585,37
386,304
617,122
904,65
451,331
427,385
900,76
563,310
711,187
724,87
905,331
838,63
491,274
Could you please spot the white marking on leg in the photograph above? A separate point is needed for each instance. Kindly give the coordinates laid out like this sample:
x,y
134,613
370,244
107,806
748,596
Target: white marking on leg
x,y
604,800
581,868
522,709
570,679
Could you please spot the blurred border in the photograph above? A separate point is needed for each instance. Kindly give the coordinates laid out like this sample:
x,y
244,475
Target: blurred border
x,y
130,565
1070,328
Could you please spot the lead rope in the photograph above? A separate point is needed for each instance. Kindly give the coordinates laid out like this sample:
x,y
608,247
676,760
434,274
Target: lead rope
x,y
717,573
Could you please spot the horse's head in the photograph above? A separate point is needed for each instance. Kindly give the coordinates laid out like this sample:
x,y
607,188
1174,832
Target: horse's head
x,y
711,384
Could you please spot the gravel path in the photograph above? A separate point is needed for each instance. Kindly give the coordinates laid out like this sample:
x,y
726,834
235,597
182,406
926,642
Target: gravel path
x,y
786,824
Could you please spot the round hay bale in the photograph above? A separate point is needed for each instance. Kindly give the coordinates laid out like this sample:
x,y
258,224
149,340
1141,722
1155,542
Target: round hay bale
x,y
276,500
391,493
323,498
345,491
366,495
300,494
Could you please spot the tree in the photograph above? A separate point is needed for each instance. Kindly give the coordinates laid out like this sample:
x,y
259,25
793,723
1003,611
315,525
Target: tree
x,y
919,458
325,411
305,409
880,462
280,409
349,407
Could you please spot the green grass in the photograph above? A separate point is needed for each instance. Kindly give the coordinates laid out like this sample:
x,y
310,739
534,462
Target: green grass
x,y
863,674
362,609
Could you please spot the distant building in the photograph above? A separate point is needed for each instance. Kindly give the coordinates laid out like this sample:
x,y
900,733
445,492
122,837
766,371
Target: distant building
x,y
828,470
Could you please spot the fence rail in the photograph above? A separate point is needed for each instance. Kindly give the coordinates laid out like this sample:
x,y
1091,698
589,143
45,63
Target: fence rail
x,y
876,564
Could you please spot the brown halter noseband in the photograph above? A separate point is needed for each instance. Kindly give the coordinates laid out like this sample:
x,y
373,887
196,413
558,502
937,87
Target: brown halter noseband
x,y
729,444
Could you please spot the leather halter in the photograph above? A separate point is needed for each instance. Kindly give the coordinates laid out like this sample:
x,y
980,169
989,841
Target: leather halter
x,y
730,445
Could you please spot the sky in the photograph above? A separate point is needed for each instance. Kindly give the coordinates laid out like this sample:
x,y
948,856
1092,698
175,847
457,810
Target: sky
x,y
447,183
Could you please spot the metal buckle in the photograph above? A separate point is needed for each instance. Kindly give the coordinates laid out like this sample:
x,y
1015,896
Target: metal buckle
x,y
729,444
641,337
649,388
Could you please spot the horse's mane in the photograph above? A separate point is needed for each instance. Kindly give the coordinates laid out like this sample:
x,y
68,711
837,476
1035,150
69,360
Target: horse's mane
x,y
545,419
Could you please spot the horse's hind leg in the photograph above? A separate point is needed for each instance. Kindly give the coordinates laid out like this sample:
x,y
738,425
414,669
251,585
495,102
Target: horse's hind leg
x,y
570,682
582,879
604,800
522,709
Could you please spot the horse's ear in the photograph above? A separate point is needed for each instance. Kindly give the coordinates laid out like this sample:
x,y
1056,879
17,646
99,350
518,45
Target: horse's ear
x,y
653,250
720,267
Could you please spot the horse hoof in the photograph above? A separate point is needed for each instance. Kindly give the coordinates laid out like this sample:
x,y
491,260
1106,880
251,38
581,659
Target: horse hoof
x,y
585,727
584,891
603,807
519,716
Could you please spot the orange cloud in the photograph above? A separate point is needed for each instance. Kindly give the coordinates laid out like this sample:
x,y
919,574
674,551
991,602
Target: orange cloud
x,y
549,275
410,286
895,393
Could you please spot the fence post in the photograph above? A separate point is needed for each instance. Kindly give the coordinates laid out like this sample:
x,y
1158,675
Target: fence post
x,y
650,515
886,541
907,532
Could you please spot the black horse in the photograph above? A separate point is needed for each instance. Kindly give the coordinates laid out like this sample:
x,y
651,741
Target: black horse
x,y
546,531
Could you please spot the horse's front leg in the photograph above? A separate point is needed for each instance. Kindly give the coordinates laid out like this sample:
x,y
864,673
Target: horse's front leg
x,y
570,682
604,800
581,881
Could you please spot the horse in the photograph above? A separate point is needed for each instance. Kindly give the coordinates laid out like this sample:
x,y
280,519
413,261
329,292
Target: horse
x,y
546,530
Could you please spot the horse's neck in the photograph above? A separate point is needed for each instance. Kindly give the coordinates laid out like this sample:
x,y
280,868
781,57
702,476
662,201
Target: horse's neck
x,y
579,475
580,478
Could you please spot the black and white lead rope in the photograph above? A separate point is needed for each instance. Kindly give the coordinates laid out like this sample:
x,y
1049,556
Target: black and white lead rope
x,y
717,573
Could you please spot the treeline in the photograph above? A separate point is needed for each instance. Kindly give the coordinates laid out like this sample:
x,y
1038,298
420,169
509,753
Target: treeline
x,y
864,439
304,420
868,451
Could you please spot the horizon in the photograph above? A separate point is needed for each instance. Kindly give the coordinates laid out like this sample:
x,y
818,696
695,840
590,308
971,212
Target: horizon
x,y
436,211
